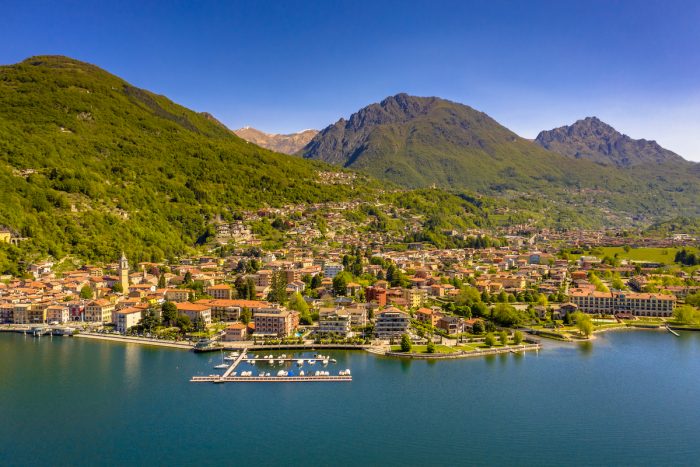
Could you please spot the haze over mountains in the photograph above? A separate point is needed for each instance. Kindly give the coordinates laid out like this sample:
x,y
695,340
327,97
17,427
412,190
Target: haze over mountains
x,y
286,144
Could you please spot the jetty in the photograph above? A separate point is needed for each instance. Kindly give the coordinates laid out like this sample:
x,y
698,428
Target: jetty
x,y
668,328
270,379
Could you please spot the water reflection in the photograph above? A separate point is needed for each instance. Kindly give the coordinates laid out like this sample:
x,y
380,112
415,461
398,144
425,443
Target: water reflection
x,y
585,347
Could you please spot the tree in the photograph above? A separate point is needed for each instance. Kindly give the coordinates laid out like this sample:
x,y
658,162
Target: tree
x,y
246,316
686,314
478,327
316,281
188,277
117,288
517,337
507,315
169,310
583,323
430,348
298,303
149,320
161,281
278,287
184,323
340,283
86,292
406,344
503,337
490,340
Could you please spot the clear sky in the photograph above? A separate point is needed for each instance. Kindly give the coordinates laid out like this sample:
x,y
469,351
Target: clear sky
x,y
283,66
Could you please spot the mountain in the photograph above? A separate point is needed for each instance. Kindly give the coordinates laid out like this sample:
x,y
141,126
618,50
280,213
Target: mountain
x,y
426,141
595,140
286,144
91,165
423,141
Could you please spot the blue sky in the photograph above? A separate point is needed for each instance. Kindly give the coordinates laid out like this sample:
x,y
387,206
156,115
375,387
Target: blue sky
x,y
288,65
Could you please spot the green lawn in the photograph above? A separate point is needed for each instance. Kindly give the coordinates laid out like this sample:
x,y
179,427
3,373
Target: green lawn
x,y
424,349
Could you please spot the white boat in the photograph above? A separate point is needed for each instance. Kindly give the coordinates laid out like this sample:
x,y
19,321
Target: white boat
x,y
282,373
311,362
300,362
221,366
281,362
229,358
301,373
271,361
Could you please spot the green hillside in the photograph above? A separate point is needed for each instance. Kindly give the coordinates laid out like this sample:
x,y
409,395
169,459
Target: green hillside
x,y
91,165
424,141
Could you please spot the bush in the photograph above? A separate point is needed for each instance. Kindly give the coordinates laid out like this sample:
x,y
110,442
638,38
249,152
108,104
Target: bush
x,y
406,343
490,340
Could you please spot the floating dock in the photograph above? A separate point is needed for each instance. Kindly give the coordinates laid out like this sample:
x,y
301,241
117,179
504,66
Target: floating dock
x,y
269,379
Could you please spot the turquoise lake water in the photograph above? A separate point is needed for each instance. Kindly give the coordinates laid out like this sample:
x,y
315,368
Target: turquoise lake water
x,y
629,398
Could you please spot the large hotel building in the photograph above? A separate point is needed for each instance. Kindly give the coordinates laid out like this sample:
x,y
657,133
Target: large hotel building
x,y
636,304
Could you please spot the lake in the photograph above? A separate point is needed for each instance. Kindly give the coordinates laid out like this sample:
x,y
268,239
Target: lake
x,y
629,398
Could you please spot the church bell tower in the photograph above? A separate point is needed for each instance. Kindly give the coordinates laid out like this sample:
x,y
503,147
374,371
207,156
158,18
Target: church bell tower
x,y
124,273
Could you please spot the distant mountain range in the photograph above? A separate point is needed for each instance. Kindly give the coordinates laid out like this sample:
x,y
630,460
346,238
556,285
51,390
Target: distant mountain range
x,y
286,144
597,141
428,141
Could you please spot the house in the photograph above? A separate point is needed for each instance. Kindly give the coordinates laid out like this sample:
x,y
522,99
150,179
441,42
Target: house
x,y
235,332
376,294
391,322
427,316
195,311
451,324
127,318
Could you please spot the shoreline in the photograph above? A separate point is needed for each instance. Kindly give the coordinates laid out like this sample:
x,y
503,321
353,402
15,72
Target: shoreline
x,y
134,340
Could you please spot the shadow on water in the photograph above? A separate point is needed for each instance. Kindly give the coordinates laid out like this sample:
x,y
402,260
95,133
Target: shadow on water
x,y
405,365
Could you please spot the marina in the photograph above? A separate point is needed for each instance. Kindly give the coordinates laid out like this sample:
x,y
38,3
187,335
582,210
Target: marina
x,y
232,376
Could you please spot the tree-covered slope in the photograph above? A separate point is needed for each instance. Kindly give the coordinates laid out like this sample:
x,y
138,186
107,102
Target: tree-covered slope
x,y
91,165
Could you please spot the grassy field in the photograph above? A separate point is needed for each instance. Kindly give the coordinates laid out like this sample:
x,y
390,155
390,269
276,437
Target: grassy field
x,y
653,255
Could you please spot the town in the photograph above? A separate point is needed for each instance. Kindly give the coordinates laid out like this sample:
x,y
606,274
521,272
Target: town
x,y
308,280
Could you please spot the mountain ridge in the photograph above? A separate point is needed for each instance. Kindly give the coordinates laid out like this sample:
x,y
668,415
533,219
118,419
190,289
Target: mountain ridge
x,y
592,139
285,143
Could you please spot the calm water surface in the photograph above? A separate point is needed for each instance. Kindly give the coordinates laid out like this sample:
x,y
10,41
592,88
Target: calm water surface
x,y
629,398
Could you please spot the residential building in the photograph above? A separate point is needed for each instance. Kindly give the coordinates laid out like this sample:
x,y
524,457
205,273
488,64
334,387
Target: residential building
x,y
330,270
195,311
99,311
220,292
334,323
57,314
178,295
278,322
127,318
391,322
235,332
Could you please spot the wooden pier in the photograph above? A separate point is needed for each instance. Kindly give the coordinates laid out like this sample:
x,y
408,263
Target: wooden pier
x,y
235,363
